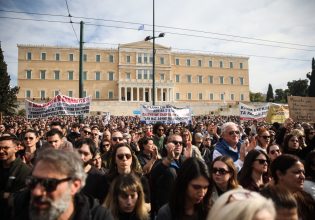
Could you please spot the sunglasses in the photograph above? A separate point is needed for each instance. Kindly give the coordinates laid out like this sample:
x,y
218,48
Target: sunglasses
x,y
122,156
28,138
50,184
117,138
274,151
86,132
265,137
219,171
262,161
177,142
234,132
161,129
105,145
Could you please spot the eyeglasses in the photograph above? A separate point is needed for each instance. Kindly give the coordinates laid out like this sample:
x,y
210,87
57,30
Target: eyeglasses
x,y
161,129
50,184
234,132
220,171
265,137
274,151
238,196
122,156
117,138
105,145
28,138
5,148
262,161
177,142
86,132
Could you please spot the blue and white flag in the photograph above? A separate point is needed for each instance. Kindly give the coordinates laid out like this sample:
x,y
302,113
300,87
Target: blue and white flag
x,y
141,27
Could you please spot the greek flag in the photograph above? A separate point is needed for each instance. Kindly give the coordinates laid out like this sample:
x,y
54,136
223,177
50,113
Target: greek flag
x,y
141,27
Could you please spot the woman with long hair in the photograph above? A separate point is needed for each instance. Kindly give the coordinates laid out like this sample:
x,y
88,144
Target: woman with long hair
x,y
223,176
273,151
291,145
126,199
254,173
30,140
190,195
262,139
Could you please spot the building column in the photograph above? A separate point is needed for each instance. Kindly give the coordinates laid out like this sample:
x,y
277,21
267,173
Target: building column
x,y
119,93
131,94
138,94
156,100
150,94
161,94
126,93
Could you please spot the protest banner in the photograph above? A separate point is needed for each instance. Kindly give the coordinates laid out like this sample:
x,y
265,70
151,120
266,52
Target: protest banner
x,y
106,117
302,108
248,112
277,113
166,114
59,105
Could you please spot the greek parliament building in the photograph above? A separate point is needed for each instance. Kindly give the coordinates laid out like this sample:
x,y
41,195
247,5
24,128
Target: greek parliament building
x,y
120,79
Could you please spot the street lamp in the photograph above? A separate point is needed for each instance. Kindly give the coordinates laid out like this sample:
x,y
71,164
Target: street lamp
x,y
153,62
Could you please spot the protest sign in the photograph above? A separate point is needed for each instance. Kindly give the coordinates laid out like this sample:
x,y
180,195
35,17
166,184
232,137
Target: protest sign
x,y
59,105
167,114
106,117
248,112
302,108
277,113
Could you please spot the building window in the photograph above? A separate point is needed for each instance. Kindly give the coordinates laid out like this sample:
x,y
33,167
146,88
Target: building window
x,y
43,56
128,76
110,76
42,74
111,58
199,79
221,64
188,62
210,79
70,93
150,74
211,96
231,80
151,58
84,57
139,74
84,93
189,78
232,97
98,58
139,58
210,63
110,95
97,94
177,78
221,80
128,59
71,57
97,76
29,56
161,60
57,75
231,65
42,94
222,96
84,75
241,80
162,76
177,62
28,74
57,56
145,74
70,75
242,97
177,96
28,94
189,96
56,92
241,65
145,58
200,96
199,63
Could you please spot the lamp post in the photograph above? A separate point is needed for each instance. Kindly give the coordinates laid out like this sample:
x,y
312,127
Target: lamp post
x,y
153,53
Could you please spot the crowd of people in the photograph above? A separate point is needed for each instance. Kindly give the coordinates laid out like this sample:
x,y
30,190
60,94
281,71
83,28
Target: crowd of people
x,y
214,168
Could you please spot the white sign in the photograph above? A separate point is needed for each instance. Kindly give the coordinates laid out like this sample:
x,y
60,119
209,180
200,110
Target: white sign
x,y
106,117
248,112
166,114
59,105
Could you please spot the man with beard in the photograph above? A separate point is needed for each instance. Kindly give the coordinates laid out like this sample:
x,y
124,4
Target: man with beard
x,y
96,180
54,191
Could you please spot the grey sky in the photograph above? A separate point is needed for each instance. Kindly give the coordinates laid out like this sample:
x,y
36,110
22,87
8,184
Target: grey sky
x,y
288,21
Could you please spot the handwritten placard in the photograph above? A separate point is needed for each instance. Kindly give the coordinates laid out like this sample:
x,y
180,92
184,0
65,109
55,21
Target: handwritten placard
x,y
302,108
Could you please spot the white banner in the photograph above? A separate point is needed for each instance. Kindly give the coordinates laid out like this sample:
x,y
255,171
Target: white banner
x,y
248,112
166,114
59,105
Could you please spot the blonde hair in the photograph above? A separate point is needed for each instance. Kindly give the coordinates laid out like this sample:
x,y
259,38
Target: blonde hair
x,y
240,204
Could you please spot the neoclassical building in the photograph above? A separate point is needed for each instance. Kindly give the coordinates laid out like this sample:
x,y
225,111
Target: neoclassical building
x,y
124,74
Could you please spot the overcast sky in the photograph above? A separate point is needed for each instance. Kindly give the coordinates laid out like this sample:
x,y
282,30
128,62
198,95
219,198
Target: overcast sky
x,y
215,26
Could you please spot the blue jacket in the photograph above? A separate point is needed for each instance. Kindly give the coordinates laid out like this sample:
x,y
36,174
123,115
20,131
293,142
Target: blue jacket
x,y
224,148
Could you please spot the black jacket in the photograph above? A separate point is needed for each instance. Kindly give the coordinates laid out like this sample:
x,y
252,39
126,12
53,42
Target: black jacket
x,y
86,208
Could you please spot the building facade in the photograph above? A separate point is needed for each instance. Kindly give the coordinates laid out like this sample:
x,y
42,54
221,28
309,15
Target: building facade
x,y
124,74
